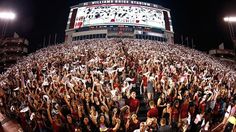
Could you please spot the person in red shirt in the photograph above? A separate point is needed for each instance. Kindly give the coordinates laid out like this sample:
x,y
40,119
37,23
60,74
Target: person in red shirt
x,y
116,85
202,105
184,109
144,85
55,121
153,111
133,103
175,114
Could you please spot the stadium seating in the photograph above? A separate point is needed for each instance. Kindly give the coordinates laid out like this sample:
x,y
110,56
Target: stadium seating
x,y
111,84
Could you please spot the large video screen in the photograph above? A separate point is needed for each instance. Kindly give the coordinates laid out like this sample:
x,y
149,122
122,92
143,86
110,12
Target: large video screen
x,y
119,15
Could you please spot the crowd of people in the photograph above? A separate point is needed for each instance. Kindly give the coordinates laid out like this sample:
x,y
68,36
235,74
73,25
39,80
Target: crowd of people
x,y
229,64
93,85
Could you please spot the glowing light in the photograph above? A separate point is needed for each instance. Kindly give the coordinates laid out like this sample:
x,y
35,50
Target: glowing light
x,y
230,19
7,15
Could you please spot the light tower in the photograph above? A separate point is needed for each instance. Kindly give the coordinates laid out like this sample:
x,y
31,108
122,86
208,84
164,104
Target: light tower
x,y
230,21
6,16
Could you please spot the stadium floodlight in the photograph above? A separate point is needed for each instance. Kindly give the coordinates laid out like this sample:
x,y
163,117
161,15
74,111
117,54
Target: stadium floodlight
x,y
7,15
230,19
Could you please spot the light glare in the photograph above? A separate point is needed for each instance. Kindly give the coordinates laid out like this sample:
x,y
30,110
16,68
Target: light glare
x,y
230,19
7,15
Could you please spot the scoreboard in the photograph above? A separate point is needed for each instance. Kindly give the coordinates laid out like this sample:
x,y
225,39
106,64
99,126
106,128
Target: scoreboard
x,y
119,15
106,17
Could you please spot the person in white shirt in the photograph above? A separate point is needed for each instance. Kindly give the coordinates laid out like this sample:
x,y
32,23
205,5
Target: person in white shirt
x,y
142,127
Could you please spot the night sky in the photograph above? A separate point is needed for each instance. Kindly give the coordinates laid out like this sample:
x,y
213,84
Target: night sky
x,y
200,20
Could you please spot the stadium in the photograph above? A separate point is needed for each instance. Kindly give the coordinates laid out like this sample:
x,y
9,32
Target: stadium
x,y
119,70
119,19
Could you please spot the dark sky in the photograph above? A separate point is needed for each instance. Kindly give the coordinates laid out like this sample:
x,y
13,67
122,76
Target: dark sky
x,y
201,20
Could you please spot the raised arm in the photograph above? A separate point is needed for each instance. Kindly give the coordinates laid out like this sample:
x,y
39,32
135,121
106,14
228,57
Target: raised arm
x,y
61,115
49,113
105,105
68,103
138,108
117,126
127,124
92,99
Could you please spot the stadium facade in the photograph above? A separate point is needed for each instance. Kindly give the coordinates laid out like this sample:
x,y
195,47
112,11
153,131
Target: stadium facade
x,y
119,19
223,54
12,49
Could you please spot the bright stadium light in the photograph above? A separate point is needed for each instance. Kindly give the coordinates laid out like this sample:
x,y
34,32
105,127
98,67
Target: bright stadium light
x,y
7,15
230,19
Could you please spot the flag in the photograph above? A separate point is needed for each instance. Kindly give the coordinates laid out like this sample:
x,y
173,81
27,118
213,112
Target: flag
x,y
221,46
